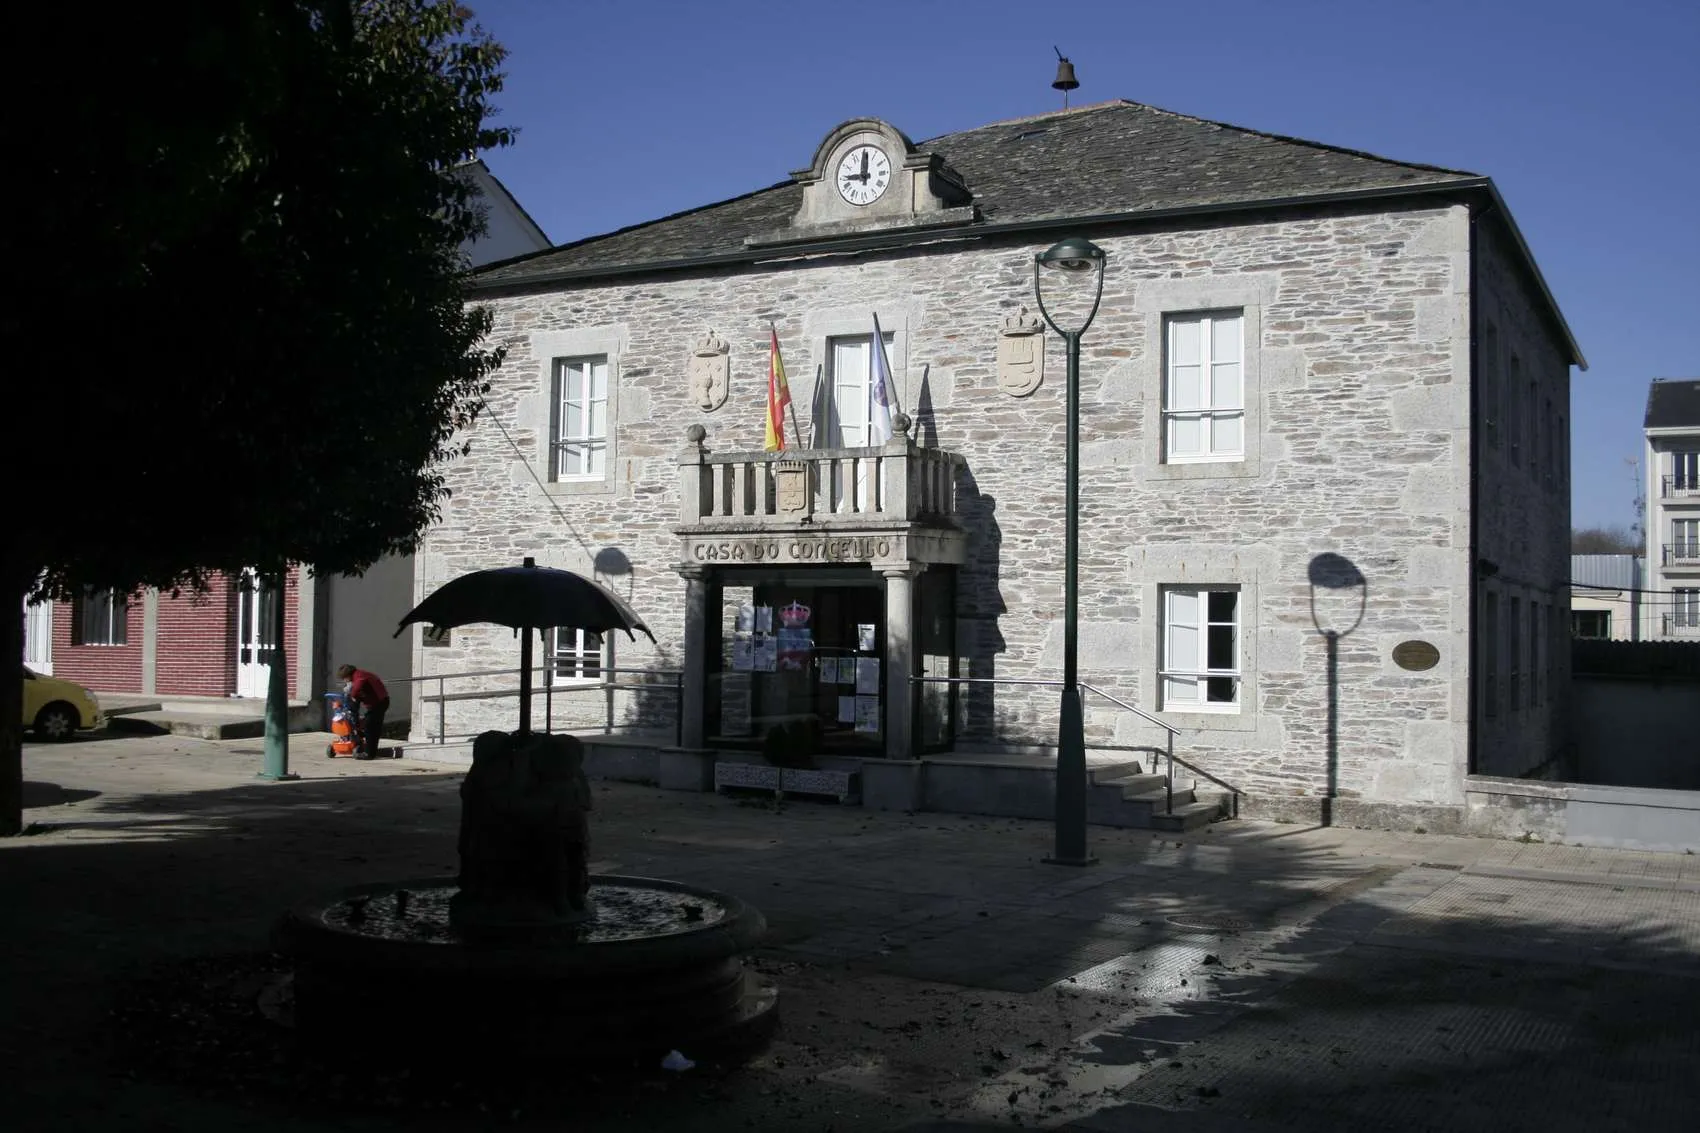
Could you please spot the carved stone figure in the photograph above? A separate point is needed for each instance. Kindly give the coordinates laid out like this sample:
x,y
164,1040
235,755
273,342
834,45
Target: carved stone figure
x,y
1021,353
524,835
790,487
710,372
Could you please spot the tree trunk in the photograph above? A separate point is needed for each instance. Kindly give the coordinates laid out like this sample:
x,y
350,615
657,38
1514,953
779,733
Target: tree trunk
x,y
15,582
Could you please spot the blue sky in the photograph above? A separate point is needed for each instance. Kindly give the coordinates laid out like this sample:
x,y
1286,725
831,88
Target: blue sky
x,y
1584,114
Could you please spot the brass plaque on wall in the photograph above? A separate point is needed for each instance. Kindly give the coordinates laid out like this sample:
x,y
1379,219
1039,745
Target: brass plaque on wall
x,y
1415,655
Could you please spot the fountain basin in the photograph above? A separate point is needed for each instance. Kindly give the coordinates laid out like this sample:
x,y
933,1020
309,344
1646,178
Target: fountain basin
x,y
657,968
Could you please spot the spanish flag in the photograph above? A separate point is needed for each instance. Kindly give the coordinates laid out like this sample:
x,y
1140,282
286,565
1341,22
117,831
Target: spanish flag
x,y
778,396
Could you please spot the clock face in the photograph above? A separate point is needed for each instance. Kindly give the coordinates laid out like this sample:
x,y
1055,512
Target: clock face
x,y
864,174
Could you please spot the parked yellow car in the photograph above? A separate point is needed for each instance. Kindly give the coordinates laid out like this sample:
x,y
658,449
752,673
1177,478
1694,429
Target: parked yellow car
x,y
57,709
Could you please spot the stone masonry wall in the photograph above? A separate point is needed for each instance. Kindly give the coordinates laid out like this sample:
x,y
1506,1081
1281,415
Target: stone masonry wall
x,y
1357,435
1523,517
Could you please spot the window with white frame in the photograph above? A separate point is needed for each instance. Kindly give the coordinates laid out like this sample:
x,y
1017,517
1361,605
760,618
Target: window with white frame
x,y
1685,472
575,656
1684,540
849,409
1685,607
578,419
1204,387
1201,649
1594,625
101,617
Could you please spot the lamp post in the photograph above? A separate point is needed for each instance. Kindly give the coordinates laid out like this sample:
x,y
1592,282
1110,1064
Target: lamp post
x,y
1074,257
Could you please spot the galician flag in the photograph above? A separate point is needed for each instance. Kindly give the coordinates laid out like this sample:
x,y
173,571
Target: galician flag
x,y
778,396
881,393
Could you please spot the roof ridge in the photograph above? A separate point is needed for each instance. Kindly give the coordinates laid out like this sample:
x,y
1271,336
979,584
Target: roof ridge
x,y
1290,139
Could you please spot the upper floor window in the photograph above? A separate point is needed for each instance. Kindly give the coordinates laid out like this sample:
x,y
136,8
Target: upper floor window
x,y
1684,476
849,410
578,419
1204,388
1201,649
1684,541
101,617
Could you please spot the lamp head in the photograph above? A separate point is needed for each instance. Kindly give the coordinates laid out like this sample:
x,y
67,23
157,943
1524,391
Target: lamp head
x,y
1075,254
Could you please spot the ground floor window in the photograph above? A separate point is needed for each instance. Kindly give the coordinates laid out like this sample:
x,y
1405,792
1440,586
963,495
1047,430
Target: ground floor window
x,y
1201,649
575,656
102,617
1592,624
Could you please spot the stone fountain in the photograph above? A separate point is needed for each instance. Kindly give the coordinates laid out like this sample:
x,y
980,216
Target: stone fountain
x,y
526,956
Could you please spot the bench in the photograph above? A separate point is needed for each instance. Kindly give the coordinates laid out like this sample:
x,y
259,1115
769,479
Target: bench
x,y
845,786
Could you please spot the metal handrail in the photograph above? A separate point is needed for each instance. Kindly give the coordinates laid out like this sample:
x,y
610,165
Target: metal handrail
x,y
549,688
1167,750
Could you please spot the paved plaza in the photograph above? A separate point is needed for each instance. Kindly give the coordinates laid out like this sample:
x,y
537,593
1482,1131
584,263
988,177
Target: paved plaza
x,y
934,973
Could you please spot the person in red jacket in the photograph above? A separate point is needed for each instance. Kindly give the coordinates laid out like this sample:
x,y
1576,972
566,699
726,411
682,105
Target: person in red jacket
x,y
366,690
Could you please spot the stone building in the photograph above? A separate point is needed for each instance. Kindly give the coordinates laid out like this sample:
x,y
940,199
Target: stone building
x,y
1323,411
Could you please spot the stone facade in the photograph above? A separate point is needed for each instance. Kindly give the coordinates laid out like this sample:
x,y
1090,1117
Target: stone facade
x,y
1358,326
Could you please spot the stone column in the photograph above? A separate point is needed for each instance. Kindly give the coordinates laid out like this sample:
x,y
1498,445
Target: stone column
x,y
691,704
900,659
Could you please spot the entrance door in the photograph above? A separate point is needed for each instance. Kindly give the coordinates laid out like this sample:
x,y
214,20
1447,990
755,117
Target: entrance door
x,y
935,656
38,637
256,613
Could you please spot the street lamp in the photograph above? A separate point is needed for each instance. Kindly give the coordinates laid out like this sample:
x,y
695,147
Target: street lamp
x,y
1072,257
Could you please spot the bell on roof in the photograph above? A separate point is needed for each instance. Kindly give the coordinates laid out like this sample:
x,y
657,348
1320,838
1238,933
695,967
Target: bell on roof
x,y
1065,80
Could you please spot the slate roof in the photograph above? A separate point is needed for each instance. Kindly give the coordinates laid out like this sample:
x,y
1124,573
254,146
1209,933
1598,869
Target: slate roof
x,y
1673,404
1109,158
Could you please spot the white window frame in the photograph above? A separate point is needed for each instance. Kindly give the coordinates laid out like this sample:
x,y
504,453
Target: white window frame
x,y
1684,539
591,439
102,618
850,384
1173,678
580,661
1684,472
1214,409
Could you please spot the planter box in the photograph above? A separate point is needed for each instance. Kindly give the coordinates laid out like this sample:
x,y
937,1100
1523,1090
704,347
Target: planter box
x,y
845,786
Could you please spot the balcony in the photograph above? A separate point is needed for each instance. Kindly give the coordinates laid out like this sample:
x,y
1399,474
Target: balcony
x,y
1682,554
1684,625
1681,487
895,502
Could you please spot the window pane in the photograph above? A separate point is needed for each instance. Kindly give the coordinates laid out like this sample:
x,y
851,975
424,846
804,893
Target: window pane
x,y
1225,339
1226,436
1185,342
572,388
1224,605
599,380
1222,654
598,419
595,459
1186,388
1222,690
1179,690
572,419
1186,436
1225,386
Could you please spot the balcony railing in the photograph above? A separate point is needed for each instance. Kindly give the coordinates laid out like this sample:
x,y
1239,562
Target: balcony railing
x,y
1684,553
896,483
1682,624
1678,487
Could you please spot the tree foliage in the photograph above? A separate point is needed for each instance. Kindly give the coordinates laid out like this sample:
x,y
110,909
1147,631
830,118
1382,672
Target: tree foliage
x,y
242,330
1604,541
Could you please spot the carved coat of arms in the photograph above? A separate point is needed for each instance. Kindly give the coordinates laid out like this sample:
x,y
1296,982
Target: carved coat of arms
x,y
791,487
1021,353
710,372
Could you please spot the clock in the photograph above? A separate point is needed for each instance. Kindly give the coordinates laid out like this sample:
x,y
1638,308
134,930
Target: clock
x,y
864,174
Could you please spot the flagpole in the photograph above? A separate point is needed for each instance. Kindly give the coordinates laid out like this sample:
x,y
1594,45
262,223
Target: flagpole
x,y
814,402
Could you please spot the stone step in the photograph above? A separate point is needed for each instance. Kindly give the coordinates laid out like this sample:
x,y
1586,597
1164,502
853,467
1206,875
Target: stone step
x,y
1188,816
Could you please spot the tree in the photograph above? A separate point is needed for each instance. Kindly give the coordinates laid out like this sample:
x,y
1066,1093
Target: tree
x,y
1604,541
243,319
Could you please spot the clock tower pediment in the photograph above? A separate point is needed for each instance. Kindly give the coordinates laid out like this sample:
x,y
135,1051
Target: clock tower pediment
x,y
868,176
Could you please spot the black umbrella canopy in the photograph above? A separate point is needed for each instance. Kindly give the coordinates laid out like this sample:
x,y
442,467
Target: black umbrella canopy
x,y
527,596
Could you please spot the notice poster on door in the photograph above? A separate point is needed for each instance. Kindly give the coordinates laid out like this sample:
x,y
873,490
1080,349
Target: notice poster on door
x,y
795,645
867,676
766,650
743,654
865,637
764,619
846,710
867,714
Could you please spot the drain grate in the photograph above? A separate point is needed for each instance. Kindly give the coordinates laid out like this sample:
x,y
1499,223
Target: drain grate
x,y
1204,922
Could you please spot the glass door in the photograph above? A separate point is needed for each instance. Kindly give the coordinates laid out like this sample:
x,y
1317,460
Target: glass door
x,y
935,656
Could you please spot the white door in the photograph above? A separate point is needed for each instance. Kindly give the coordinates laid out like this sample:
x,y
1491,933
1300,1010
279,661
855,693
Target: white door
x,y
256,610
38,637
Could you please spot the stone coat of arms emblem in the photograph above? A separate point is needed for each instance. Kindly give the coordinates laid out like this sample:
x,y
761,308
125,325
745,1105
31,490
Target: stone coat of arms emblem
x,y
710,372
1021,353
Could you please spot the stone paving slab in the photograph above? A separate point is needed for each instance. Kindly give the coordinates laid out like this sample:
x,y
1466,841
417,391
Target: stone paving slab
x,y
932,968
